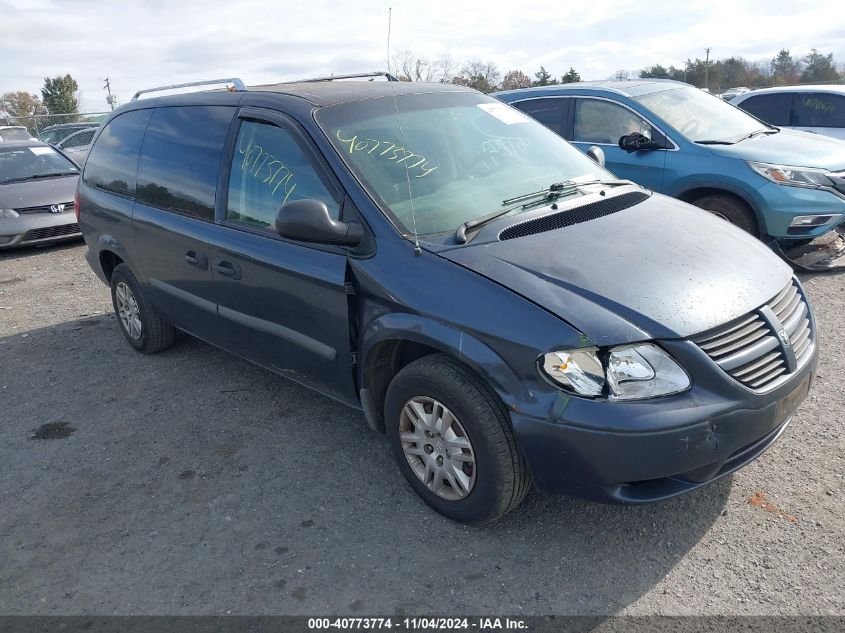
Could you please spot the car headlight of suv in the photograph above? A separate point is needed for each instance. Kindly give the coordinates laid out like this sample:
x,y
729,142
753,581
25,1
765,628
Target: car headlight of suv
x,y
627,372
795,176
8,213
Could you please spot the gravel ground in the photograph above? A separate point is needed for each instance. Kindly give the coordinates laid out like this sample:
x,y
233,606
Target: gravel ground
x,y
192,482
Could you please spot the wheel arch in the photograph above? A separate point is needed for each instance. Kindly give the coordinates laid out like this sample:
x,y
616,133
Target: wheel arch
x,y
693,191
392,341
110,253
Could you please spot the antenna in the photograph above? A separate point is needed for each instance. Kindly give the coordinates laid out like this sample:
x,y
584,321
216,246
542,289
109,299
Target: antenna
x,y
389,21
417,249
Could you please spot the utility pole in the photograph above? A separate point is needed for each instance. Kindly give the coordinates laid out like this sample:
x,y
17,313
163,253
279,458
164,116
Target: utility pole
x,y
110,99
706,68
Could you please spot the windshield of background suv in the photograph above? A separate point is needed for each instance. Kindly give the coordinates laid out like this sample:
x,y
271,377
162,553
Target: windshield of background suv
x,y
700,116
25,163
462,153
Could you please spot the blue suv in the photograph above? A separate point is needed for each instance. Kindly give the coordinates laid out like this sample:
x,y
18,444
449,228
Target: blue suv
x,y
680,141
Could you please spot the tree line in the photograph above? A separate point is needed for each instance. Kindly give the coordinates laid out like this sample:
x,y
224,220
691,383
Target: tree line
x,y
59,95
715,75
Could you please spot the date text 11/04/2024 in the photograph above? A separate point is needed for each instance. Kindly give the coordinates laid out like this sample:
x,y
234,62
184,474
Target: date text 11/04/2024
x,y
418,624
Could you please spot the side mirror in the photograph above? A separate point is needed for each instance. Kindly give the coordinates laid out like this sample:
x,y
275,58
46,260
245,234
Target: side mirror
x,y
308,220
636,142
597,154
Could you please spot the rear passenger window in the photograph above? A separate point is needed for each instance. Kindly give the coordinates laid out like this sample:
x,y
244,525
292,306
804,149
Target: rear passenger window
x,y
819,109
269,169
773,109
113,160
180,159
549,112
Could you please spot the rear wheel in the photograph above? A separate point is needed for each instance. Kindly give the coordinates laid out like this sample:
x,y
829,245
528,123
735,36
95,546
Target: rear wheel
x,y
731,209
452,440
138,319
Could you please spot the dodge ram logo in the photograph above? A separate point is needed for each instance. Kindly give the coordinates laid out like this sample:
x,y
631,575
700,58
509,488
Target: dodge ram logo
x,y
57,208
784,337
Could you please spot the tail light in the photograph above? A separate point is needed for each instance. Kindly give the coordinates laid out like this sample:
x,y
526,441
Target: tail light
x,y
76,206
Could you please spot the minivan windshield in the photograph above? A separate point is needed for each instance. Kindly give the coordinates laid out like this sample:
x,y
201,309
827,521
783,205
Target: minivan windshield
x,y
701,117
456,156
32,162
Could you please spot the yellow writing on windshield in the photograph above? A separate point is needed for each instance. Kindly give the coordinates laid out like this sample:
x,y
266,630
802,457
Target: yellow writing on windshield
x,y
388,151
266,168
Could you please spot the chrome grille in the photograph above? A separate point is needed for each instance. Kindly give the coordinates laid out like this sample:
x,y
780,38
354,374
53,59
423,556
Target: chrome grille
x,y
762,348
45,208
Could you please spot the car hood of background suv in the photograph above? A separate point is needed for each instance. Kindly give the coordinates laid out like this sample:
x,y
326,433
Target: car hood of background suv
x,y
788,147
38,193
658,269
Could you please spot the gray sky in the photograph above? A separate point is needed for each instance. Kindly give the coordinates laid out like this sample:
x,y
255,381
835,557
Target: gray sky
x,y
143,43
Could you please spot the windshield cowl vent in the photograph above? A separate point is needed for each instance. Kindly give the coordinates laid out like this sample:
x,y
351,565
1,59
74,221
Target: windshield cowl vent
x,y
568,217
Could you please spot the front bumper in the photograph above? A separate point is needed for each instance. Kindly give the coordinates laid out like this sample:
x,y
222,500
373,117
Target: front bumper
x,y
680,443
38,228
781,204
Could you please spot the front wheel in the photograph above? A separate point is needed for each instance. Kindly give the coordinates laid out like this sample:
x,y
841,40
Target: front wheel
x,y
452,440
731,209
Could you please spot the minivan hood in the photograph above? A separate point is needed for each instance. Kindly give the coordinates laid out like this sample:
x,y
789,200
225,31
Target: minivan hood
x,y
659,269
38,193
788,147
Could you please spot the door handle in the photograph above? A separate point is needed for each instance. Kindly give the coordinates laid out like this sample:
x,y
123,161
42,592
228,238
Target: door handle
x,y
228,269
195,259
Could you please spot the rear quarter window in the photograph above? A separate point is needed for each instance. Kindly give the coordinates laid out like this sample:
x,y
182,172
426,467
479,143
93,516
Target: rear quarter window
x,y
819,109
113,161
773,109
180,159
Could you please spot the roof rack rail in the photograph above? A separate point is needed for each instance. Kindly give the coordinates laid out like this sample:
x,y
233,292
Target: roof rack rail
x,y
371,75
239,86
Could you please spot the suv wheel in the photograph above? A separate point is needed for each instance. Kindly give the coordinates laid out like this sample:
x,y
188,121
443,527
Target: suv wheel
x,y
139,321
452,440
731,209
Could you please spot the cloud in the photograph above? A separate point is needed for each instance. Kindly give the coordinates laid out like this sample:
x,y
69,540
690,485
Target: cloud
x,y
143,43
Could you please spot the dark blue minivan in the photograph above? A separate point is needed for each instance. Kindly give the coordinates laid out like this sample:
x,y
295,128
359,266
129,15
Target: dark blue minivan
x,y
501,307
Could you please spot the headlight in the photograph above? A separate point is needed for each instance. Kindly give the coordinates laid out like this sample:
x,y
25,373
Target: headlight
x,y
8,213
795,176
631,372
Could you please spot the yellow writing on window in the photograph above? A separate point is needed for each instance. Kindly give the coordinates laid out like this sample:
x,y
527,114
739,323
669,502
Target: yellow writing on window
x,y
811,103
388,151
266,168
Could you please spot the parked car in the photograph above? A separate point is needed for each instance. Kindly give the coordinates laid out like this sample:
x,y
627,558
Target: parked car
x,y
14,133
730,93
59,132
491,299
76,145
675,139
819,109
37,185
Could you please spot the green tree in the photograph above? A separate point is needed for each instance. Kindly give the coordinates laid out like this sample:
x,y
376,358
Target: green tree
x,y
785,70
483,76
655,72
570,77
819,68
544,78
60,95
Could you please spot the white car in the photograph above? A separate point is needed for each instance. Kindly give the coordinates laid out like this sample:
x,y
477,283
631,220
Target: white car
x,y
730,93
819,109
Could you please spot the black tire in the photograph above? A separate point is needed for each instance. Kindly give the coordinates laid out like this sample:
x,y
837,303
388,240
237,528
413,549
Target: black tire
x,y
155,333
731,209
502,478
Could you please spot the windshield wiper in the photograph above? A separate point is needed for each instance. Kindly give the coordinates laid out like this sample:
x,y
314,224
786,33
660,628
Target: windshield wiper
x,y
553,192
741,138
53,175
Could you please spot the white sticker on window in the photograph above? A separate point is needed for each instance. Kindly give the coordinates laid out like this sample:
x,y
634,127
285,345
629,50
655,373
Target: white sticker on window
x,y
40,151
504,113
